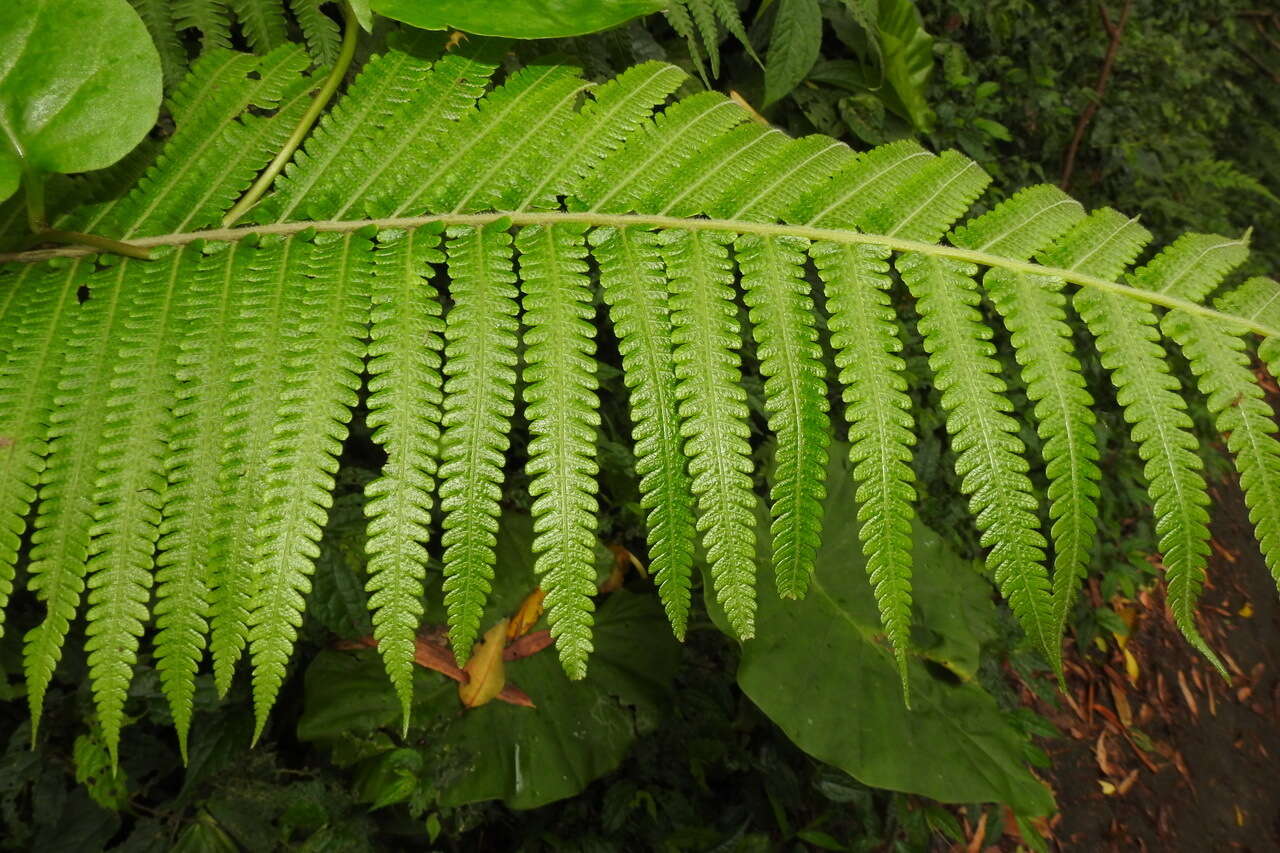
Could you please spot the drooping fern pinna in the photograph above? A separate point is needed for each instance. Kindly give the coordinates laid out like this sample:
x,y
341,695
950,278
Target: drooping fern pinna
x,y
453,233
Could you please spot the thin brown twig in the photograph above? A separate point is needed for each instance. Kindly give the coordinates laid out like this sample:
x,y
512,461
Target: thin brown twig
x,y
1115,32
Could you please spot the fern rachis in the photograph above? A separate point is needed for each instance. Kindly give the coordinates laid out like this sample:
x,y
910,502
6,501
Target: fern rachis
x,y
235,368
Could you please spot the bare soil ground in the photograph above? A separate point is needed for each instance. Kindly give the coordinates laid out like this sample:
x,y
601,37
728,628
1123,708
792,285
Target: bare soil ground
x,y
1160,752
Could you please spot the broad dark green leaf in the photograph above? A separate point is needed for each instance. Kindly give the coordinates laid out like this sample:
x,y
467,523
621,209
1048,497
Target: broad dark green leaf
x,y
526,757
821,670
80,86
525,19
793,47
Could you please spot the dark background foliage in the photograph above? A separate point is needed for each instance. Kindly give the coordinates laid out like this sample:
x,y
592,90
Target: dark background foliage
x,y
1184,131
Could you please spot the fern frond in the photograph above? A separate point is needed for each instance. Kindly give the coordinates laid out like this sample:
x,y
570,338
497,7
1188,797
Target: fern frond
x,y
990,458
318,29
197,403
562,406
634,287
404,413
328,321
713,413
1221,363
864,334
1129,342
210,17
262,23
781,314
1033,309
480,357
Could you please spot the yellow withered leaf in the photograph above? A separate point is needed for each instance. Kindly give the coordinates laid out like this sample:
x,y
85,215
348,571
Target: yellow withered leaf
x,y
486,672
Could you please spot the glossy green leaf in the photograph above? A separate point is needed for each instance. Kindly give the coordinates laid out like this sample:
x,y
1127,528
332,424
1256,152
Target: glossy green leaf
x,y
524,19
80,86
836,692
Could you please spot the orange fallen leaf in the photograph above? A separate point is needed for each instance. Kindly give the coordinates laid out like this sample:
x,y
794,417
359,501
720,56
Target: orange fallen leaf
x,y
526,616
529,644
1127,783
486,673
1187,695
623,562
1245,612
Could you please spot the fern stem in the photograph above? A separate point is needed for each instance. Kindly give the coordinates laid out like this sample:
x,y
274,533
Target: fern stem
x,y
729,226
350,32
34,182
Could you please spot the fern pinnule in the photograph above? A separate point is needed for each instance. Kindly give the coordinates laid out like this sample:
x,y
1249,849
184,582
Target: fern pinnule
x,y
864,334
703,180
990,458
713,413
34,305
192,532
479,369
404,413
781,314
130,488
563,411
1129,343
64,515
1033,309
328,320
1193,265
157,16
1221,363
777,189
925,205
633,284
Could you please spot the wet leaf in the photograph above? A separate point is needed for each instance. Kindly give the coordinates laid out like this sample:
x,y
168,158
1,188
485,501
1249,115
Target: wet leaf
x,y
486,674
80,86
523,19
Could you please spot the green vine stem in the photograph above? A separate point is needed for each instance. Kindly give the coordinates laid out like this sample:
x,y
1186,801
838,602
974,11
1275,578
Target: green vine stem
x,y
39,223
350,32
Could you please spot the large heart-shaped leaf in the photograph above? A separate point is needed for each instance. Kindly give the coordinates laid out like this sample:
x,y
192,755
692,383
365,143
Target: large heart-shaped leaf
x,y
821,670
523,19
80,86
